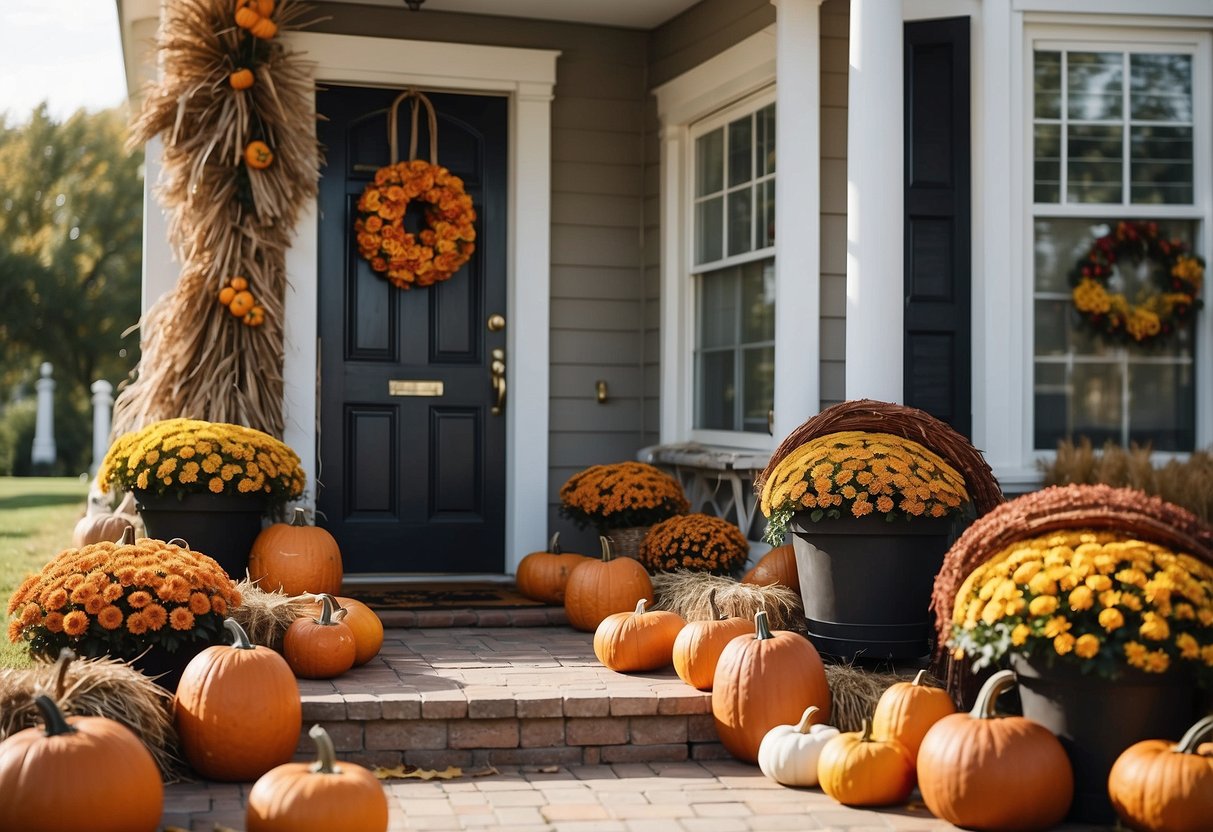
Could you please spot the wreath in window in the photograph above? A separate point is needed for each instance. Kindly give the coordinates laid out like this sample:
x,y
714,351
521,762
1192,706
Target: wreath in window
x,y
1157,310
440,249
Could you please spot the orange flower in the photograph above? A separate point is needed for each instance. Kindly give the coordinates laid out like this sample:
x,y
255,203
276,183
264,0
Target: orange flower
x,y
155,616
199,603
136,624
53,622
181,619
110,618
218,606
75,623
139,599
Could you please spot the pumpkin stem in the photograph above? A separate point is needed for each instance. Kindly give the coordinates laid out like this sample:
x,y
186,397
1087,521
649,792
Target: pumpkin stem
x,y
918,679
806,721
866,730
554,544
983,708
66,655
607,554
326,755
715,610
240,639
327,603
179,541
1194,735
128,537
300,518
762,629
56,724
640,606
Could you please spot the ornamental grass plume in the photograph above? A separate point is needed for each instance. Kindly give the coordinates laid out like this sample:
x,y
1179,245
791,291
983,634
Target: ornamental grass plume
x,y
620,495
698,542
1101,600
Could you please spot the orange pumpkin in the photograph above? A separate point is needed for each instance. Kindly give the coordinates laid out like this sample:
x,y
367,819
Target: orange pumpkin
x,y
907,710
764,680
238,283
247,13
698,647
317,797
81,772
296,558
543,576
241,303
241,79
319,648
264,29
226,294
258,156
363,623
987,773
857,770
237,709
777,566
598,588
638,640
255,317
1159,786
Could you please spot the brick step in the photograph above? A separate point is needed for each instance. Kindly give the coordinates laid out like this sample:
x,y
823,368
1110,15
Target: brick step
x,y
476,697
482,617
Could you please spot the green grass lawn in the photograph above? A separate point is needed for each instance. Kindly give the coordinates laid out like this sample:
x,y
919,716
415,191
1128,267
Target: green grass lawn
x,y
37,515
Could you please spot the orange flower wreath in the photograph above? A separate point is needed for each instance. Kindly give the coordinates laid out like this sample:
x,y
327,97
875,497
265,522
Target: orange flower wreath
x,y
447,242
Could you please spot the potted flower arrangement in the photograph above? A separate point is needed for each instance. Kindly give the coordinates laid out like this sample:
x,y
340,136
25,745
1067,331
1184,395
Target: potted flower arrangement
x,y
145,600
622,500
209,483
696,542
844,484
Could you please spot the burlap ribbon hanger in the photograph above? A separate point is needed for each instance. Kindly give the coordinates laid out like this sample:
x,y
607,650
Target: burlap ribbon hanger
x,y
417,100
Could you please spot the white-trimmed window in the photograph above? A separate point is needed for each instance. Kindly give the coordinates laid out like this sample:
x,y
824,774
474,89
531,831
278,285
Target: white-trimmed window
x,y
732,257
1120,131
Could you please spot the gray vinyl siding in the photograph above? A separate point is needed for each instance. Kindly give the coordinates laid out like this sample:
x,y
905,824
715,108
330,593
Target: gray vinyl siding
x,y
835,22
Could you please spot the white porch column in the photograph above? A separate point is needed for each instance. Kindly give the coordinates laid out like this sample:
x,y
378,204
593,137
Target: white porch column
x,y
875,290
103,404
159,267
43,452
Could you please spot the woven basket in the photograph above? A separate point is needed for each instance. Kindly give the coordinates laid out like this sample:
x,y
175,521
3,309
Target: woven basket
x,y
626,542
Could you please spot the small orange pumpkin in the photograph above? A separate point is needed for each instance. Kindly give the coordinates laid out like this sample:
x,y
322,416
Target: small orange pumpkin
x,y
698,647
1158,786
81,772
264,29
363,623
238,283
241,79
907,710
319,648
543,576
598,588
247,13
777,566
296,558
257,155
638,640
255,317
241,303
226,294
857,770
317,797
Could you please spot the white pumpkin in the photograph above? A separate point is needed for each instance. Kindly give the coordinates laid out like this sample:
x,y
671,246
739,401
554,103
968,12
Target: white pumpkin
x,y
788,753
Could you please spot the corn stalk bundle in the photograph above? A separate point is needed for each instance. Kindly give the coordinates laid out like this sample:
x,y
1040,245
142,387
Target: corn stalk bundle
x,y
1099,507
266,616
908,423
225,218
687,592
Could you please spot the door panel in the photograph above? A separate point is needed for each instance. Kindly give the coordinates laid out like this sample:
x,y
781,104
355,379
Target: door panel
x,y
411,482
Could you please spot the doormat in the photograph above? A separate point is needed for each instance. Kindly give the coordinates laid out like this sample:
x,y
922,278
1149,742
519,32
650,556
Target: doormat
x,y
438,595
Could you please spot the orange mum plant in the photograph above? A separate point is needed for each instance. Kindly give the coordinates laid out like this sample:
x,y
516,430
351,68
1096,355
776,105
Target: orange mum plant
x,y
863,474
119,598
620,495
1099,599
698,542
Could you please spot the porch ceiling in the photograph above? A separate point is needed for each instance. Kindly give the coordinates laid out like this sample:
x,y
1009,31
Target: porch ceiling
x,y
632,14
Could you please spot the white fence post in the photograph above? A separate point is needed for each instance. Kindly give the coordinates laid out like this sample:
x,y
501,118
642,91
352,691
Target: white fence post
x,y
44,425
103,402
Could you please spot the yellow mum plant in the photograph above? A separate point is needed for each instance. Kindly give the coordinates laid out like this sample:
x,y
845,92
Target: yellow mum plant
x,y
862,474
620,495
698,542
1098,599
191,456
118,598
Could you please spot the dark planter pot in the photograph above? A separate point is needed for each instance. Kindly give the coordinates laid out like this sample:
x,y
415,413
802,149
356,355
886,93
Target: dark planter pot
x,y
165,668
1096,719
222,526
866,583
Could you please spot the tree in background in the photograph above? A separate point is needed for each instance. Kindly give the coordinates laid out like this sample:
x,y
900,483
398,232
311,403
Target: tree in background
x,y
71,229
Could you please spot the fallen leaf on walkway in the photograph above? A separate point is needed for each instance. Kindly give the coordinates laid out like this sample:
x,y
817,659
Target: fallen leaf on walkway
x,y
402,771
548,769
483,772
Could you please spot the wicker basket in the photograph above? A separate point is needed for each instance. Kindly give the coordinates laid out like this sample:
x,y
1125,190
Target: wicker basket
x,y
626,542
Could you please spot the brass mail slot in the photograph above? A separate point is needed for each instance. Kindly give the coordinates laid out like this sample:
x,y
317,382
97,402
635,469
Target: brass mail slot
x,y
400,387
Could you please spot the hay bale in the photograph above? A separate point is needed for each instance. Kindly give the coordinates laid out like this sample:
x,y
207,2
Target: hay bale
x,y
265,616
854,693
95,687
686,593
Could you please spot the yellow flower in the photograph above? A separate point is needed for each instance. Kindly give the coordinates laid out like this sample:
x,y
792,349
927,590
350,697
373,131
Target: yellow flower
x,y
1154,627
1027,571
1063,643
1019,634
1081,598
1111,619
1056,626
992,612
1086,646
1043,605
1156,661
1099,583
1042,584
1189,647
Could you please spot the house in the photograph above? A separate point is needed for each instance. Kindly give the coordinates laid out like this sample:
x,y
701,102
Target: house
x,y
648,275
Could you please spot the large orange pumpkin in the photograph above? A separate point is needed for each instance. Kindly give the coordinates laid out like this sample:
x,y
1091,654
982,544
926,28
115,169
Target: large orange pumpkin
x,y
907,710
237,709
1159,786
296,558
857,770
764,680
542,576
698,647
983,772
319,648
363,623
638,640
598,588
82,772
317,797
777,566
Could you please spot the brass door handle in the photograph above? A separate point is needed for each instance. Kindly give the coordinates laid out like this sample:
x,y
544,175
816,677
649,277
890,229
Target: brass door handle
x,y
497,368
